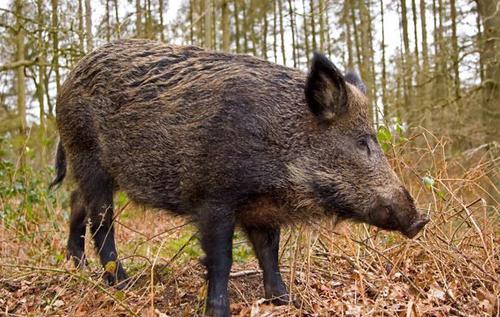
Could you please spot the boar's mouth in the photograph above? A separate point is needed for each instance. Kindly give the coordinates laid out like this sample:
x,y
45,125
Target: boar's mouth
x,y
417,224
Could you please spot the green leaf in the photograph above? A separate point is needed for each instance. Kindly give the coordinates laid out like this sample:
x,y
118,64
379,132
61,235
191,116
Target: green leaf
x,y
384,137
120,295
441,194
428,182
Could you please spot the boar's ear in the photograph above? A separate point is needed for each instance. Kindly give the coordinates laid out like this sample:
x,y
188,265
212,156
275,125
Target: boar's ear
x,y
354,79
325,89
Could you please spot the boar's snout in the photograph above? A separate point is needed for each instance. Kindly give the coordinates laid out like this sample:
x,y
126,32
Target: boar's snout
x,y
417,224
399,213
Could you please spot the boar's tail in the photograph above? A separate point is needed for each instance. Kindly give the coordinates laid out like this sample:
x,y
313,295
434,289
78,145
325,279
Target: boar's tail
x,y
60,166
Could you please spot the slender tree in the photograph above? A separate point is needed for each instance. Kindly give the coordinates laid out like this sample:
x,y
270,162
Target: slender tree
x,y
275,33
41,74
407,62
455,52
264,32
161,8
490,56
312,18
108,21
225,26
415,36
81,32
306,32
423,26
383,63
282,32
237,26
138,18
117,19
321,15
55,43
293,28
88,26
20,77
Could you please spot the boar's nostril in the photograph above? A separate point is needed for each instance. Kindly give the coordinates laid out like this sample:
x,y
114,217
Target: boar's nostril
x,y
416,226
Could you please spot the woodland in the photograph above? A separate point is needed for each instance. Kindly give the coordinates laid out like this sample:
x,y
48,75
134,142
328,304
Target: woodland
x,y
432,71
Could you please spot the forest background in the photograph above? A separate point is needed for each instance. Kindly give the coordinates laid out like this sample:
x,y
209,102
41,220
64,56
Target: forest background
x,y
432,71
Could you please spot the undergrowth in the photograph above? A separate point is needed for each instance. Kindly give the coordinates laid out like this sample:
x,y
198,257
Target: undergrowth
x,y
451,268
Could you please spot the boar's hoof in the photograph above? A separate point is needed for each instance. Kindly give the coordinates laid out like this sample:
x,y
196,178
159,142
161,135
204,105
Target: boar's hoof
x,y
281,298
115,275
218,311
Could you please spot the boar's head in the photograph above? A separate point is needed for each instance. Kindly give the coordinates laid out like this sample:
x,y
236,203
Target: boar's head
x,y
344,170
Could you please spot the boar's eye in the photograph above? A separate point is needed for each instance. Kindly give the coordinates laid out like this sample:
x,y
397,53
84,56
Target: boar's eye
x,y
363,144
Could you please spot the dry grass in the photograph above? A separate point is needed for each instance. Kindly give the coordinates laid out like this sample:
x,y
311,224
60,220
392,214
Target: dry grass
x,y
451,269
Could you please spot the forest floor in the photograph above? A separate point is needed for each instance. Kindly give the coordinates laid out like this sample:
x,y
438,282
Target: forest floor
x,y
451,269
168,280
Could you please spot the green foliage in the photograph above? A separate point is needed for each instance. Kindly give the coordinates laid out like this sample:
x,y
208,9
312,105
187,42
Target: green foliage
x,y
191,247
391,135
430,184
242,251
384,137
23,196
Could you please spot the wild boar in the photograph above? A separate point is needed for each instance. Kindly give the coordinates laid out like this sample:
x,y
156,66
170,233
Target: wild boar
x,y
226,140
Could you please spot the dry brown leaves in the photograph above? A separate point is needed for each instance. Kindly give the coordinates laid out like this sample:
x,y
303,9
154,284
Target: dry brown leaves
x,y
451,269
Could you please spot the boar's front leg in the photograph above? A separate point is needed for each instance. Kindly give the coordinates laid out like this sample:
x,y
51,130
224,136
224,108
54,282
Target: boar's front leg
x,y
265,242
217,229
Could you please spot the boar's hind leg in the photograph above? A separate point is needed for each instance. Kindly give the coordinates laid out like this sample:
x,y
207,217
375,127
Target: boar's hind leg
x,y
100,207
216,229
77,226
265,242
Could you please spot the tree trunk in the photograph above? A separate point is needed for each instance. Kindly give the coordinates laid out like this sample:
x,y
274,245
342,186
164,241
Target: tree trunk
x,y
191,22
149,33
245,27
327,33
415,36
407,62
264,34
346,14
424,91
41,75
108,22
366,52
117,19
237,27
275,33
208,24
313,24
20,78
423,26
490,57
55,44
282,32
88,26
322,12
225,26
162,23
454,57
355,33
384,71
306,32
292,27
81,35
138,18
